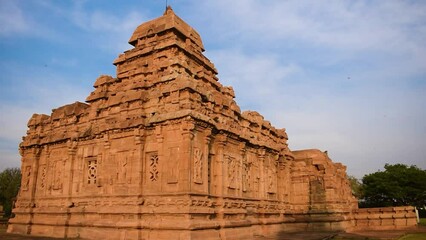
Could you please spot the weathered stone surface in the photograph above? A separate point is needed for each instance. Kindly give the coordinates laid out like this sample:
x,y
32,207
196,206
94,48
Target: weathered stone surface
x,y
388,218
162,151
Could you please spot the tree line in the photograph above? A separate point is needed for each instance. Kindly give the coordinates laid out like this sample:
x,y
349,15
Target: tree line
x,y
396,185
10,181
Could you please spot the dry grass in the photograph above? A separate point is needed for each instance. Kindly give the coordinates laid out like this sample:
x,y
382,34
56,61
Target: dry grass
x,y
414,236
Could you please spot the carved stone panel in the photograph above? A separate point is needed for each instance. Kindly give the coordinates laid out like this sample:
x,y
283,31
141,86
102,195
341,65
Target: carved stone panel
x,y
57,181
26,177
198,166
232,172
123,167
246,176
271,172
173,172
254,175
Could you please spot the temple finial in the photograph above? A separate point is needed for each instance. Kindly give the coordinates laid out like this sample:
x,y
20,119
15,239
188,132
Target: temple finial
x,y
168,10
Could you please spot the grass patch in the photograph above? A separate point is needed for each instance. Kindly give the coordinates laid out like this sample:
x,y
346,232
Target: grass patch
x,y
414,236
422,221
352,238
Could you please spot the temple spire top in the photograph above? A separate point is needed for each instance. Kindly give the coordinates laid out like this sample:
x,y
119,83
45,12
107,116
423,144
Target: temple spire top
x,y
169,22
168,11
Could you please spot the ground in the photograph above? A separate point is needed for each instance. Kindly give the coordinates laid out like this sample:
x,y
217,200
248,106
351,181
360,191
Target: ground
x,y
416,234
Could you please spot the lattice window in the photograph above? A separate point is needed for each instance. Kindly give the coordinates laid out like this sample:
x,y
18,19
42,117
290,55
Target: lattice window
x,y
43,177
153,167
91,171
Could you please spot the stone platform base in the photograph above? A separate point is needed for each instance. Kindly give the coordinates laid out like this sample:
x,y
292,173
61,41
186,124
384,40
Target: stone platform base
x,y
111,233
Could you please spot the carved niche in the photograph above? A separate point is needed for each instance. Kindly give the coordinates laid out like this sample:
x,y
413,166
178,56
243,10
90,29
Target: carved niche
x,y
57,180
198,166
233,171
271,170
26,178
246,175
173,171
123,169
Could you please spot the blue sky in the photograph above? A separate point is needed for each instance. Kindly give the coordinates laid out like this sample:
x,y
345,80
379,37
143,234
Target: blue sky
x,y
348,77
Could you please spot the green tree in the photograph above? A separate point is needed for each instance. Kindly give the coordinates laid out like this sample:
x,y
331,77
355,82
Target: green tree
x,y
356,186
397,185
10,181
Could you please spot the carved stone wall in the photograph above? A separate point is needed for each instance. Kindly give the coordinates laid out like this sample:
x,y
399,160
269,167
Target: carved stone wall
x,y
162,150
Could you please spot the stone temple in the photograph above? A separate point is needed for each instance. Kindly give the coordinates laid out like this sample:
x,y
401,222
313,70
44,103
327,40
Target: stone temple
x,y
162,151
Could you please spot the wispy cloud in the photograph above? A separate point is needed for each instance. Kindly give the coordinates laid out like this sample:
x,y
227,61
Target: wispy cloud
x,y
338,24
16,21
256,78
350,29
115,29
37,90
12,19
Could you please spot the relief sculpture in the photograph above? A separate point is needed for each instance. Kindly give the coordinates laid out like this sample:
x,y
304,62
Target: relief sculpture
x,y
122,168
246,176
232,172
57,175
26,177
198,166
271,176
173,176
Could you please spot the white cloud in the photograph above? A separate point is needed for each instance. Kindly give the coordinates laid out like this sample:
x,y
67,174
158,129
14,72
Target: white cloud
x,y
107,28
397,28
12,19
43,93
256,78
115,30
104,22
16,21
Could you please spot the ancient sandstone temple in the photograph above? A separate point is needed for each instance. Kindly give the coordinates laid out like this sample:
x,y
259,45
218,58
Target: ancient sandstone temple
x,y
162,151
